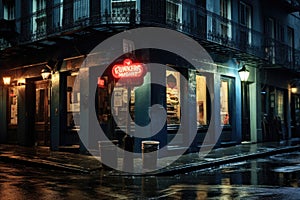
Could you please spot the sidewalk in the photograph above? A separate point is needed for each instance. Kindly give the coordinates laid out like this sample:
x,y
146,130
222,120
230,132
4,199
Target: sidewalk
x,y
77,163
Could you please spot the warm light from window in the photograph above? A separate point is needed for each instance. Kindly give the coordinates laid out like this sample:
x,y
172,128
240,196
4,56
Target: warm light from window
x,y
21,81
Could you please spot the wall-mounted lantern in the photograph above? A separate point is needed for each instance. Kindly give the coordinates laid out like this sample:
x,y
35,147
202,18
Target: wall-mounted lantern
x,y
6,80
46,72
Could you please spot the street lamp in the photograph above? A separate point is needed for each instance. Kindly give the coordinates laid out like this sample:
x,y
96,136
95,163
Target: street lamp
x,y
294,86
294,89
244,75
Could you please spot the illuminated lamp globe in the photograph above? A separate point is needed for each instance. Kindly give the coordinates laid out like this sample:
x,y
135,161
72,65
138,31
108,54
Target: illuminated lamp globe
x,y
6,80
45,73
244,74
294,89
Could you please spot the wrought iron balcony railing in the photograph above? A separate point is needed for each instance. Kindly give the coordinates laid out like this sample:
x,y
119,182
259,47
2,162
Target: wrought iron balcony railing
x,y
289,5
206,26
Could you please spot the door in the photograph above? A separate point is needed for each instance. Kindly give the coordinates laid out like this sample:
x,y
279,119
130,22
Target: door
x,y
42,113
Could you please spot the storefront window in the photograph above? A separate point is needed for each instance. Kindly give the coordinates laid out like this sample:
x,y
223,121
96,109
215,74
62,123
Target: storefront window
x,y
13,106
42,105
73,102
224,91
121,104
173,97
201,100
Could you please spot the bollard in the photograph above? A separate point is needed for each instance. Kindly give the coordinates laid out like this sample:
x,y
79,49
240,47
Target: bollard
x,y
128,157
149,154
108,153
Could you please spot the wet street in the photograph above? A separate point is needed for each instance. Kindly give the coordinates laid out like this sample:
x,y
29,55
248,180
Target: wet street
x,y
274,177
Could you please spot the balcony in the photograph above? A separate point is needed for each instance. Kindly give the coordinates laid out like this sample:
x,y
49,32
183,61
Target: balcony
x,y
217,34
8,33
289,5
223,37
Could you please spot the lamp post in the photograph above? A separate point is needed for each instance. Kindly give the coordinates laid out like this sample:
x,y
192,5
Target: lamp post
x,y
45,73
244,75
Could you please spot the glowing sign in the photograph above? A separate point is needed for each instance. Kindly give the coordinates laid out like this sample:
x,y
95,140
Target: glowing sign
x,y
128,70
101,82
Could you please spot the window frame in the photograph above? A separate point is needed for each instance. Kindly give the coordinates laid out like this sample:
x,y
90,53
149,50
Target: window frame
x,y
207,107
231,101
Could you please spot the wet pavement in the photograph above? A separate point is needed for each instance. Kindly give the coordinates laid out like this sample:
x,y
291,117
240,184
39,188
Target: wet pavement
x,y
254,179
43,157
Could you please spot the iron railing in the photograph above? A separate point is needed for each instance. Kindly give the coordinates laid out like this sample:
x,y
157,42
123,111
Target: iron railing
x,y
204,25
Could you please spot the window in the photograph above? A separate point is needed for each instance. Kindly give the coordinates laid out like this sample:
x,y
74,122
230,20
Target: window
x,y
58,14
291,45
270,43
13,105
73,102
174,11
246,22
224,8
173,97
121,10
280,104
225,13
42,105
39,18
201,99
121,106
9,10
245,15
81,9
224,92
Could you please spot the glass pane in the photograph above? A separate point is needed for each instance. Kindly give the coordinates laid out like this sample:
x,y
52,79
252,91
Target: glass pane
x,y
201,100
280,105
13,102
40,107
73,102
173,97
224,102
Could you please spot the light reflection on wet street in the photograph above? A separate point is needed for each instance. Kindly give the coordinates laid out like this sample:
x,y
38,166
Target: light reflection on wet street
x,y
275,177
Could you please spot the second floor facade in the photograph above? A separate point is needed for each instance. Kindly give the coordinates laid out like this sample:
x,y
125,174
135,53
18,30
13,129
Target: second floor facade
x,y
259,30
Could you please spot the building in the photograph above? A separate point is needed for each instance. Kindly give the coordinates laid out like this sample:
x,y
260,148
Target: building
x,y
57,35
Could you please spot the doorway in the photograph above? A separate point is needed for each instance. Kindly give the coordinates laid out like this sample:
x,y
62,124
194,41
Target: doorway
x,y
42,113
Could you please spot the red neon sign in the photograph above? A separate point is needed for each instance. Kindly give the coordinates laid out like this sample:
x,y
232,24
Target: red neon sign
x,y
128,70
101,82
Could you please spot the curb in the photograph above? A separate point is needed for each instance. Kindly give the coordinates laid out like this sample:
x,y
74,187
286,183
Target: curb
x,y
46,164
220,161
162,172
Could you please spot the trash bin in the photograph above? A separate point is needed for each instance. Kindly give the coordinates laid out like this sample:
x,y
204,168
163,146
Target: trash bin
x,y
108,153
149,154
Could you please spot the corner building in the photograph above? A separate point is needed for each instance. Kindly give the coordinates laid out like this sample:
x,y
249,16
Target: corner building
x,y
57,35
